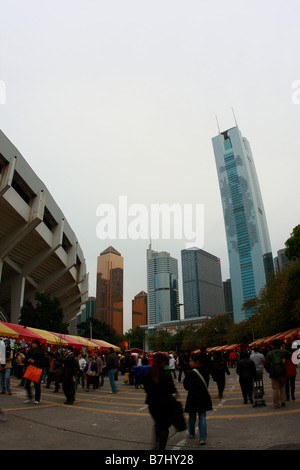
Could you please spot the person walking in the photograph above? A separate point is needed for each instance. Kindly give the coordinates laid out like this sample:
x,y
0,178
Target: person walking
x,y
276,366
68,377
91,372
112,365
35,357
232,359
259,361
99,364
247,374
6,369
172,365
291,372
198,400
219,369
80,376
159,387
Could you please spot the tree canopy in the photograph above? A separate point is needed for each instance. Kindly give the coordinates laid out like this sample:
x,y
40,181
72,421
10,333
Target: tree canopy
x,y
46,314
99,330
292,250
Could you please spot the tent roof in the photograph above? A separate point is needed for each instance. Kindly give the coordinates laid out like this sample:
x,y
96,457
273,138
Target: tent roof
x,y
6,331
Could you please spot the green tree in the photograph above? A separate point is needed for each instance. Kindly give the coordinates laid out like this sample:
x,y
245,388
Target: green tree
x,y
240,333
46,314
159,340
279,301
292,250
135,337
214,332
99,330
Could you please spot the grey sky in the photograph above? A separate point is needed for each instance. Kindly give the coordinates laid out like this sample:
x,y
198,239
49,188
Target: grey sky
x,y
111,98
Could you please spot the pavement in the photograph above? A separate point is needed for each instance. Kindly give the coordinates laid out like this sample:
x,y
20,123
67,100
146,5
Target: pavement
x,y
99,420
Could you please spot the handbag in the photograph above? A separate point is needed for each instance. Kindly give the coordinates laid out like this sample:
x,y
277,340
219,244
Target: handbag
x,y
177,416
91,373
33,373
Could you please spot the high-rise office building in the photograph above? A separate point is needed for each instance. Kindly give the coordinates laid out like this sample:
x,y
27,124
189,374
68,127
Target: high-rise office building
x,y
109,293
162,284
228,297
139,310
281,261
88,310
249,248
202,284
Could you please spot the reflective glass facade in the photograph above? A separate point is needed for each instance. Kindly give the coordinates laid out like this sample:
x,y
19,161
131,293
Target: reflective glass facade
x,y
109,294
248,243
202,284
162,280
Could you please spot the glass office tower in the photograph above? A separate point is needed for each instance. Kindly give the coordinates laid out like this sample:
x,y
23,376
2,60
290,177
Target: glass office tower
x,y
162,284
202,284
249,248
109,294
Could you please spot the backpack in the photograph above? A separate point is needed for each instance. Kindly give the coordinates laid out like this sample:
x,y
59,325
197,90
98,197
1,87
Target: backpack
x,y
277,366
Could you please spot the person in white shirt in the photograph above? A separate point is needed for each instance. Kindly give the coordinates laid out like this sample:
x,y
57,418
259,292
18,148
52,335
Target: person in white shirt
x,y
259,361
81,371
172,365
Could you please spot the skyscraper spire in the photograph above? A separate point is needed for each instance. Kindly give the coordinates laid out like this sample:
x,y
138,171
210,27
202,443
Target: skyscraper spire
x,y
234,117
218,125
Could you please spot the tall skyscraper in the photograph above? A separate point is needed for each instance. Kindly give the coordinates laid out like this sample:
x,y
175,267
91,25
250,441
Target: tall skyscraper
x,y
139,310
228,297
202,284
281,261
88,310
162,284
249,248
109,293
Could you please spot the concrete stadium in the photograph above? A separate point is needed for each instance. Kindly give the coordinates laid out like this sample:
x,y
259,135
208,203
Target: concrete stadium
x,y
38,249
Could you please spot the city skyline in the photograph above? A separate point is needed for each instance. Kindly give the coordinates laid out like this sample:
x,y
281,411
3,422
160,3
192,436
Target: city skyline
x,y
120,99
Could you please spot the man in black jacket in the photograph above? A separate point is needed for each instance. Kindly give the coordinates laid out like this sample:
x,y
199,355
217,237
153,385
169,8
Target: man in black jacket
x,y
36,358
112,364
247,374
69,365
275,365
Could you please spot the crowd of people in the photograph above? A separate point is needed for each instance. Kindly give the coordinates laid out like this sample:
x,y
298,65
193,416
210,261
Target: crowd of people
x,y
68,369
197,368
61,367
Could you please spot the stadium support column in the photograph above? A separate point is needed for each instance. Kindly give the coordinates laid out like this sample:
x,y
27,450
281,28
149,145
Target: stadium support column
x,y
17,298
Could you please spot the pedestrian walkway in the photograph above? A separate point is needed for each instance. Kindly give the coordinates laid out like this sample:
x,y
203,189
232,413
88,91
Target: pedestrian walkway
x,y
99,420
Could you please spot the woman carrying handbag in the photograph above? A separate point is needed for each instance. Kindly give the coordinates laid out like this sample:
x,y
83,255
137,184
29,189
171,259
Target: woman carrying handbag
x,y
159,387
198,400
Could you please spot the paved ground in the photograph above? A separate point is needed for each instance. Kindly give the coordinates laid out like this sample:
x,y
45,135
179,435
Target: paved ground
x,y
100,421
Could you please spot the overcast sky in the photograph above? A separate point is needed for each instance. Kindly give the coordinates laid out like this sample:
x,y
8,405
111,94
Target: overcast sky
x,y
119,98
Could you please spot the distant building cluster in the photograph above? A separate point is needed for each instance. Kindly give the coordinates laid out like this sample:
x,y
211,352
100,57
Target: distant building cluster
x,y
204,294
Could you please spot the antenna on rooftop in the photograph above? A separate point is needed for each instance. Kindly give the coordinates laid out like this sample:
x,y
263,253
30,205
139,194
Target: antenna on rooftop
x,y
234,118
218,125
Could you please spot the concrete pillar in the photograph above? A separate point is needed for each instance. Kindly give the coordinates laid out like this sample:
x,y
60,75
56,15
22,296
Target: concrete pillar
x,y
17,298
